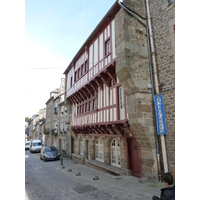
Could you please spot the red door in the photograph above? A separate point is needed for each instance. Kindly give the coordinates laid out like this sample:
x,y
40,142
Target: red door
x,y
134,157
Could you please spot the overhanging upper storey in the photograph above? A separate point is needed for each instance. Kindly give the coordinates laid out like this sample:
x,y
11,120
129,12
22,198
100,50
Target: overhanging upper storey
x,y
94,64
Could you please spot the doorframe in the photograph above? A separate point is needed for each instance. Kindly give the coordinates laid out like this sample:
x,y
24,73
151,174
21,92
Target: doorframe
x,y
131,136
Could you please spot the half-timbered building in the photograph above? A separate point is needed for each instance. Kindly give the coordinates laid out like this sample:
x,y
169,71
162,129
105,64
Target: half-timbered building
x,y
99,112
109,98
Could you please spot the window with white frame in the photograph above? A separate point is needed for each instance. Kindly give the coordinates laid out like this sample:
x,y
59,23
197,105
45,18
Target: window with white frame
x,y
56,127
95,104
65,129
81,147
121,97
65,110
115,153
99,155
61,127
107,47
62,110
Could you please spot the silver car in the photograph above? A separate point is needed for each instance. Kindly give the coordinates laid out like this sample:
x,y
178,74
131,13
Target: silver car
x,y
49,153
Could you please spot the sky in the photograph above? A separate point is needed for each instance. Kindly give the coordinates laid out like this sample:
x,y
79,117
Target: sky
x,y
54,32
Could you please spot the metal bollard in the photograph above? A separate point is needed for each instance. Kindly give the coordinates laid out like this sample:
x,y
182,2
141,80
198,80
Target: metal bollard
x,y
61,162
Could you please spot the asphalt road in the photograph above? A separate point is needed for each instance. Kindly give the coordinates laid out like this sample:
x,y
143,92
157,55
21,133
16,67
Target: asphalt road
x,y
46,180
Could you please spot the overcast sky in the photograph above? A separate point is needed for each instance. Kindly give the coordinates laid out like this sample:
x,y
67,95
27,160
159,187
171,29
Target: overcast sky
x,y
54,32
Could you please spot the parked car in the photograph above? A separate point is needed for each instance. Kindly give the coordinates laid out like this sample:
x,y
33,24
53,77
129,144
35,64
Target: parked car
x,y
27,145
35,146
49,153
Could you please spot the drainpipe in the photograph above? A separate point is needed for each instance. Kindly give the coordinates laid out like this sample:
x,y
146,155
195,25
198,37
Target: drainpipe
x,y
135,15
156,84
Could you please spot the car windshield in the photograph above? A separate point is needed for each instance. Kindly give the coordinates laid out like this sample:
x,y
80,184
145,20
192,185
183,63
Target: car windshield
x,y
49,149
37,144
28,143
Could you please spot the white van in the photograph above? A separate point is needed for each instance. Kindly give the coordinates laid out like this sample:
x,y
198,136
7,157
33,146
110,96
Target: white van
x,y
35,146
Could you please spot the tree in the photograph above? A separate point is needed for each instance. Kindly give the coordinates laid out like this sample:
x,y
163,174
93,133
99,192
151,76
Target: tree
x,y
27,119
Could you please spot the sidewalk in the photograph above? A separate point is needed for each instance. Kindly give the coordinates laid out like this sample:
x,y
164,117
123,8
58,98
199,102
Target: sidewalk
x,y
126,184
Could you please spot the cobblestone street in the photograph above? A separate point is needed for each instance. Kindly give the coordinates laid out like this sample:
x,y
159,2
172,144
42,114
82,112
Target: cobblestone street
x,y
46,180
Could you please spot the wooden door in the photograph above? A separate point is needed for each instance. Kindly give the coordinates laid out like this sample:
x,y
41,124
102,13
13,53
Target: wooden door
x,y
134,157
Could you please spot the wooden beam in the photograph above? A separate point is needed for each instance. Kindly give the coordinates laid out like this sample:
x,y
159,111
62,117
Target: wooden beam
x,y
112,74
89,91
104,128
81,95
93,87
87,96
77,97
104,81
112,130
118,128
98,83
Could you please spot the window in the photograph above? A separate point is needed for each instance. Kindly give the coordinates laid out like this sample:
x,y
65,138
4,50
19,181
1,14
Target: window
x,y
82,107
65,129
83,69
107,47
65,110
79,73
99,150
121,97
91,105
71,82
95,104
86,66
87,108
75,76
61,127
115,153
62,110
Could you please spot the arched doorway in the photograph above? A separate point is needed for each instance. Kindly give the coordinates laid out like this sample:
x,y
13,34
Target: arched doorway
x,y
134,162
115,153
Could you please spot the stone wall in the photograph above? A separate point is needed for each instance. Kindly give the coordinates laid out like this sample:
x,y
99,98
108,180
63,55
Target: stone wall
x,y
132,68
163,22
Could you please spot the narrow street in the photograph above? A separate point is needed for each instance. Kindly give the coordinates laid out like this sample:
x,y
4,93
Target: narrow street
x,y
46,180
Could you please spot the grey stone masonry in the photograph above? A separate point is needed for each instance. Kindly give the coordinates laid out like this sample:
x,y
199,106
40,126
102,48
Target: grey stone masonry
x,y
132,68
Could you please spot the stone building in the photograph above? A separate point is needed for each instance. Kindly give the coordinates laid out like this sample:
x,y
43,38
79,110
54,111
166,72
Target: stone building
x,y
110,90
131,68
49,118
163,21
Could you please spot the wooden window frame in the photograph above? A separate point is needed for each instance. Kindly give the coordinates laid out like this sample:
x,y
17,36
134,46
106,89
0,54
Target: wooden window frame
x,y
107,53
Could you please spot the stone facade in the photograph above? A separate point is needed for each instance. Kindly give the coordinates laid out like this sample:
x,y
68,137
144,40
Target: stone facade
x,y
132,68
163,21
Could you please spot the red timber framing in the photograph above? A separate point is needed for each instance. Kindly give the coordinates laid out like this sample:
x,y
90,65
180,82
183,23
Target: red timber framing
x,y
92,85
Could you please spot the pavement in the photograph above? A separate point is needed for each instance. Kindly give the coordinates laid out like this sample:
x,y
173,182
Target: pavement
x,y
128,185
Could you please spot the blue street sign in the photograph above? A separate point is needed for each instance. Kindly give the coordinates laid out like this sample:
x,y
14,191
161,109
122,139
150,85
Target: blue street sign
x,y
160,115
